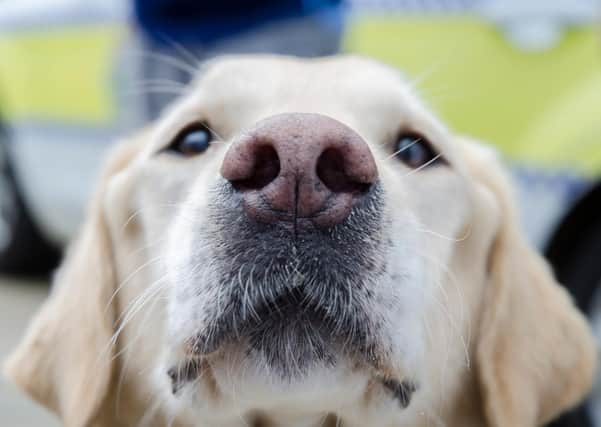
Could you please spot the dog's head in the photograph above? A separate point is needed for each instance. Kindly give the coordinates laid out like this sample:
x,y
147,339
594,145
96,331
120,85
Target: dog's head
x,y
297,238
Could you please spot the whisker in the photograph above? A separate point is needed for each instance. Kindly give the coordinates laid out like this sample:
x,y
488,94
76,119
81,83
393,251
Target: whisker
x,y
129,278
429,162
461,298
402,149
215,132
135,306
159,81
467,234
124,350
168,60
184,53
170,90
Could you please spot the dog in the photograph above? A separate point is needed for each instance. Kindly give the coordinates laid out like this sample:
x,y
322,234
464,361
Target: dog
x,y
300,242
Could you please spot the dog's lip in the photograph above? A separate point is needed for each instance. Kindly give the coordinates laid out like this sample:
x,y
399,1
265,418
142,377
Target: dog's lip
x,y
189,370
402,391
183,373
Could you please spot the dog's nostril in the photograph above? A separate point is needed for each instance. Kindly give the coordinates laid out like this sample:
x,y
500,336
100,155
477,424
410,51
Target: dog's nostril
x,y
331,171
266,167
299,165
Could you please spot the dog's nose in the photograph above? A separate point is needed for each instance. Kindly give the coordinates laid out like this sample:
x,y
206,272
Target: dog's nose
x,y
300,165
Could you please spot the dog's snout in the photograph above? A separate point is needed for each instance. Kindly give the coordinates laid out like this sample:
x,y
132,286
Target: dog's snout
x,y
299,165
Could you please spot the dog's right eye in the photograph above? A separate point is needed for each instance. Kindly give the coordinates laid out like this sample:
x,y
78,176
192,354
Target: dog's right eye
x,y
415,151
191,141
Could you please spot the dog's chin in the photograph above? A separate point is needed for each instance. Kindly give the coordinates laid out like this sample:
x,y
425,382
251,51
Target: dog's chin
x,y
242,381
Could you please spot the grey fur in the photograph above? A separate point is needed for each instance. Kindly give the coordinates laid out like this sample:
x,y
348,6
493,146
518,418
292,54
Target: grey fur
x,y
293,293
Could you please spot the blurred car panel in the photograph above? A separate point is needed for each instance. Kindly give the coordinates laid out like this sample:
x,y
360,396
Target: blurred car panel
x,y
57,98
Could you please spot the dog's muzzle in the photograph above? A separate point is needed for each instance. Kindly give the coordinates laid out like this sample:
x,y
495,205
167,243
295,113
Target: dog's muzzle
x,y
294,232
294,235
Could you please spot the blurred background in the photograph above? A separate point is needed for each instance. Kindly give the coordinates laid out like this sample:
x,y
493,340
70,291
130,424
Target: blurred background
x,y
524,75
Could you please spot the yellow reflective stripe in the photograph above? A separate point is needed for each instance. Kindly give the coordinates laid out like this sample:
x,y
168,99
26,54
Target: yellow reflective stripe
x,y
63,74
569,133
483,86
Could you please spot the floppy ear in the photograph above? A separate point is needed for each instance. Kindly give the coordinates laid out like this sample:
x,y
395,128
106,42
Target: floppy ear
x,y
65,361
536,355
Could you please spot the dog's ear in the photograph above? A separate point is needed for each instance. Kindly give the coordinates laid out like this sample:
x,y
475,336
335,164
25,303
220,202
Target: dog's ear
x,y
535,354
65,361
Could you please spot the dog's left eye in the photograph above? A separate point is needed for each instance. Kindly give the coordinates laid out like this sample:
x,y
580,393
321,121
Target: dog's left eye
x,y
415,151
191,141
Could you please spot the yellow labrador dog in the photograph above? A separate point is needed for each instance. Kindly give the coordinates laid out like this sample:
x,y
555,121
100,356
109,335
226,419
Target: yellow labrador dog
x,y
301,243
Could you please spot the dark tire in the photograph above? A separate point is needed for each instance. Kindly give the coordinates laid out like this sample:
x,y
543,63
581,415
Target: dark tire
x,y
575,253
23,249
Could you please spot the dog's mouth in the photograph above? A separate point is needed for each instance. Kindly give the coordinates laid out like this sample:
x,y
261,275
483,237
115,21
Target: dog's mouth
x,y
295,296
291,332
292,301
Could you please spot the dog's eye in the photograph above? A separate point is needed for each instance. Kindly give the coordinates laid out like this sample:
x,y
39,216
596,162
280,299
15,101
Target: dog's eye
x,y
192,140
415,151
